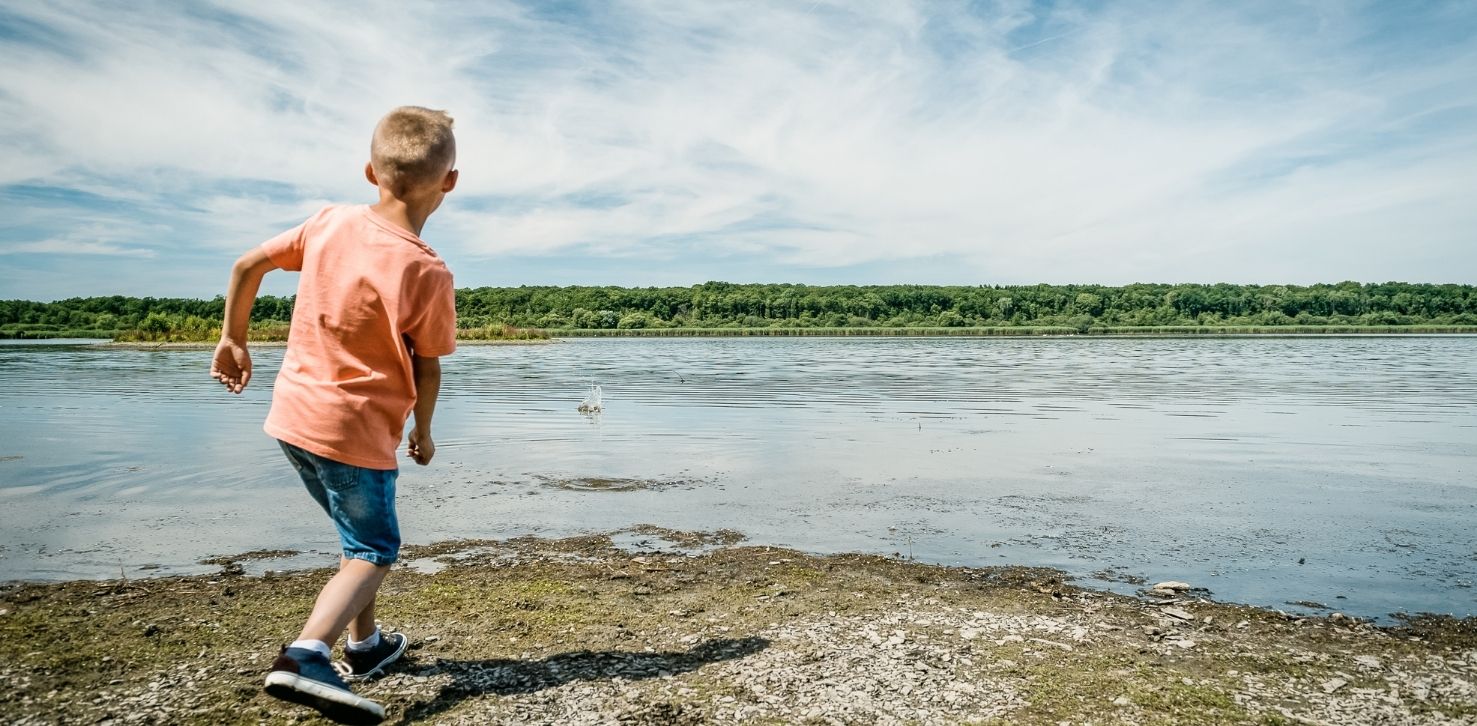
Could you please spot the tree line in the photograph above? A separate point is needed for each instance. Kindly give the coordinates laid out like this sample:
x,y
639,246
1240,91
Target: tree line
x,y
724,305
716,305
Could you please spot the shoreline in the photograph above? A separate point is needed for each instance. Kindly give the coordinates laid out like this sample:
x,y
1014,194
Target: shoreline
x,y
1289,331
779,333
701,628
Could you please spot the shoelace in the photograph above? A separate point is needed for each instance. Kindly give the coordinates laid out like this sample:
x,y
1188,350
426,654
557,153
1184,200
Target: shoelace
x,y
343,668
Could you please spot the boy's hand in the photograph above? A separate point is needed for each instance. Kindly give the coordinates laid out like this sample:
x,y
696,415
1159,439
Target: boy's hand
x,y
231,365
422,448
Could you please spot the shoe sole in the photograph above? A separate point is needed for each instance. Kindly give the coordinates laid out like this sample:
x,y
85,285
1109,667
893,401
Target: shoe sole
x,y
335,704
391,658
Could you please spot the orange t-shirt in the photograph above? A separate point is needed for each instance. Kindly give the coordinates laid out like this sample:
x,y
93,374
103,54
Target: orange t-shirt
x,y
370,294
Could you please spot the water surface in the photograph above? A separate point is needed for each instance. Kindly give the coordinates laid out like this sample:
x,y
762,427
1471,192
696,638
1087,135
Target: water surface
x,y
1341,471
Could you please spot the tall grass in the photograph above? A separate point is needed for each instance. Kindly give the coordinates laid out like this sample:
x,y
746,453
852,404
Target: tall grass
x,y
45,332
501,332
200,330
205,331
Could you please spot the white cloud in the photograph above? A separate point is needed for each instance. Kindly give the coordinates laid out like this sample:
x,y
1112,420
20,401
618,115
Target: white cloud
x,y
75,247
1133,142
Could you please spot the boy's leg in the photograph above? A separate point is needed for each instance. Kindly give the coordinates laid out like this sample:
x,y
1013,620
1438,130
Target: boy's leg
x,y
361,503
348,597
362,626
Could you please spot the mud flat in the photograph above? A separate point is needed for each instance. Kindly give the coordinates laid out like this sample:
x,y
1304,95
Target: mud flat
x,y
650,626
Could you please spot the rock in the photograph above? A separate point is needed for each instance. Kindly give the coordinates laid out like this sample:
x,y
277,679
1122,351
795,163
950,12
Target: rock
x,y
1178,614
1172,585
1333,684
1122,701
1186,644
1368,661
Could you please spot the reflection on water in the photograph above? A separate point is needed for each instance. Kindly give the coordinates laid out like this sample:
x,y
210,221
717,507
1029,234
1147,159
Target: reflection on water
x,y
1223,462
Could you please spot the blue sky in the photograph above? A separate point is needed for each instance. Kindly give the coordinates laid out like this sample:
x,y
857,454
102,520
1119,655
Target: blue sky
x,y
670,143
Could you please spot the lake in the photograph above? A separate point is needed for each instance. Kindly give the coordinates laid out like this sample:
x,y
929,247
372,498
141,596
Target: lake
x,y
1340,471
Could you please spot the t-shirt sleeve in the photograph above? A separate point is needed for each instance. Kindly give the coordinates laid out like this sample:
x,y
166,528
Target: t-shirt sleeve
x,y
286,249
432,332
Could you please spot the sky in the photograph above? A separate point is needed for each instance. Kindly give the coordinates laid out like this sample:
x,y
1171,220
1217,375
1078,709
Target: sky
x,y
146,145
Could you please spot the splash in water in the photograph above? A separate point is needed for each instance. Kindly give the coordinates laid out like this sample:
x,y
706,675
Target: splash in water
x,y
593,402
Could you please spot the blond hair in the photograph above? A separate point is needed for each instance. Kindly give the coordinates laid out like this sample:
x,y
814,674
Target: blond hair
x,y
412,146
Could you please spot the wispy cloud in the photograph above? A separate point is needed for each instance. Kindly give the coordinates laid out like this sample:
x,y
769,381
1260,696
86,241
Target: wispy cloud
x,y
74,247
661,142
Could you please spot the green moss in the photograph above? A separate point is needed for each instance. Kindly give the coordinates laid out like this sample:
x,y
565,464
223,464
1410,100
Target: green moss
x,y
1083,687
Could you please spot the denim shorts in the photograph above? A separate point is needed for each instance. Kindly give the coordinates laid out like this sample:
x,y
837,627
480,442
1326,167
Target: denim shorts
x,y
360,501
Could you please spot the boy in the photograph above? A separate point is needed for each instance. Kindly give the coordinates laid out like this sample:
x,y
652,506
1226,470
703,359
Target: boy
x,y
375,310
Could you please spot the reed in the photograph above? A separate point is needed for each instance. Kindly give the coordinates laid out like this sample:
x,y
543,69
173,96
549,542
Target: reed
x,y
501,332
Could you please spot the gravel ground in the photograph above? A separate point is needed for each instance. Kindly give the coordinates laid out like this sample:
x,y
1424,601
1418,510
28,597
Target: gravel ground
x,y
695,630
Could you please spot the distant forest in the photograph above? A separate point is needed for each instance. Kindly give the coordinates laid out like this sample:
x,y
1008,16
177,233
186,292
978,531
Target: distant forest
x,y
496,311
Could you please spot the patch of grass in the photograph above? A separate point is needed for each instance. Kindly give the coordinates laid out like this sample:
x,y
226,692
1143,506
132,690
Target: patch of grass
x,y
1083,687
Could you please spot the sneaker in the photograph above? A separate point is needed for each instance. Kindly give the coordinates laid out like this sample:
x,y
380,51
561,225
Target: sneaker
x,y
304,676
361,665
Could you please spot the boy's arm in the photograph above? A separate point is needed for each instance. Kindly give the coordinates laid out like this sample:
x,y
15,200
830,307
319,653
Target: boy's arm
x,y
427,386
232,364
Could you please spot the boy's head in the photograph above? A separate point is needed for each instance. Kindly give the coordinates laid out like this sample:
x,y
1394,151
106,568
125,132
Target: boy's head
x,y
413,152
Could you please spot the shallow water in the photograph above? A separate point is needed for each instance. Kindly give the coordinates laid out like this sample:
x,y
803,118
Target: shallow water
x,y
1223,462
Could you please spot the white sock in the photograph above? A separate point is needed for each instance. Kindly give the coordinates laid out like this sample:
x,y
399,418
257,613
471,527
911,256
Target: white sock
x,y
317,645
367,643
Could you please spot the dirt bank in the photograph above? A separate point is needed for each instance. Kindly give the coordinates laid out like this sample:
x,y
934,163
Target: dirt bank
x,y
693,629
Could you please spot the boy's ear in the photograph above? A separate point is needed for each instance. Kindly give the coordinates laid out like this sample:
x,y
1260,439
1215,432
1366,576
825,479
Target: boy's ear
x,y
369,173
449,183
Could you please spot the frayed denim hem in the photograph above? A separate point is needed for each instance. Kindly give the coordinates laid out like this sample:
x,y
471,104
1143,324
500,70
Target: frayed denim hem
x,y
373,558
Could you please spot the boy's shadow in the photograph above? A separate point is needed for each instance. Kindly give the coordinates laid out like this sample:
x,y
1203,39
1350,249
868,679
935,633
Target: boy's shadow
x,y
505,677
